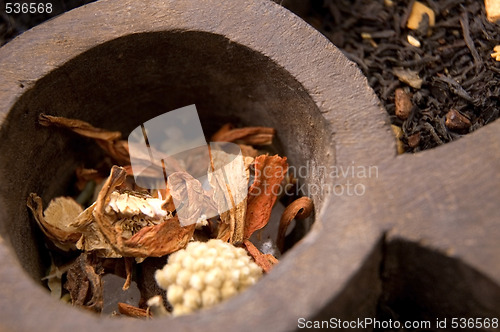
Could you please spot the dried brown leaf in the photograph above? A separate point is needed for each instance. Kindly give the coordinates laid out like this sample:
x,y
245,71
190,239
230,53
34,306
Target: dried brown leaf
x,y
84,282
265,261
269,172
229,179
159,240
247,135
56,221
223,130
248,151
299,209
104,221
84,175
80,127
109,141
131,311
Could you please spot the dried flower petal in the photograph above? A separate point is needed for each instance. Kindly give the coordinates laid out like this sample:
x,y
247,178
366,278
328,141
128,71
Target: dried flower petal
x,y
269,172
299,209
56,221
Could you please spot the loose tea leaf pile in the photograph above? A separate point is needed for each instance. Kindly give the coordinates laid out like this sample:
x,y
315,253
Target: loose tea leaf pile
x,y
123,225
430,62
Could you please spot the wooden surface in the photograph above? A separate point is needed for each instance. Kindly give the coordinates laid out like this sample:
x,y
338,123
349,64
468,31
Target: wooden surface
x,y
424,234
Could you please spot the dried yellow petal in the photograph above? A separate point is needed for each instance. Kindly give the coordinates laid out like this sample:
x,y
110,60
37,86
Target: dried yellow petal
x,y
413,41
417,13
492,10
399,134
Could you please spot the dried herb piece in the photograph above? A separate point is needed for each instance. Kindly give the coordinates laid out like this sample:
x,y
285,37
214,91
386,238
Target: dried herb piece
x,y
265,261
269,172
403,104
56,221
408,76
247,135
417,14
132,311
195,201
299,209
84,282
492,10
456,121
109,141
399,134
229,178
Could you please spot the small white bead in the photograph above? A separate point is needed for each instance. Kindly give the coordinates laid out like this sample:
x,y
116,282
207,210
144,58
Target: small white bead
x,y
192,299
183,278
175,294
210,297
197,282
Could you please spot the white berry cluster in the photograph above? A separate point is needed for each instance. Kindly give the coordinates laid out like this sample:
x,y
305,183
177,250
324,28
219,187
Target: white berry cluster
x,y
206,273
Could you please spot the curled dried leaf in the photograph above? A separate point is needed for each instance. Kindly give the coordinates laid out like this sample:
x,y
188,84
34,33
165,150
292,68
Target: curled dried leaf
x,y
299,209
269,172
84,282
80,127
247,135
56,221
132,311
265,261
109,141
